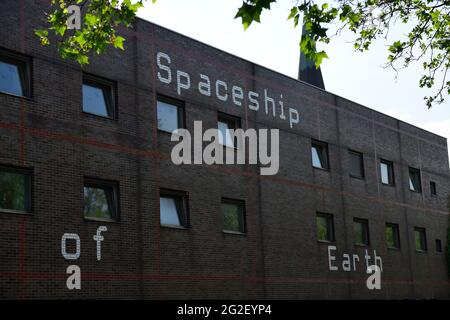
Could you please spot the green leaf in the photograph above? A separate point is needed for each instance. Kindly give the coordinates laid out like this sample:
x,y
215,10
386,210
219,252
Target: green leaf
x,y
118,42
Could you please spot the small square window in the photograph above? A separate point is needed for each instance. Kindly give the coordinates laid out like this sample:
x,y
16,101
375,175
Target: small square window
x,y
15,76
99,97
433,190
225,123
392,236
387,172
173,208
325,227
356,164
15,190
319,152
101,200
420,238
415,183
233,216
170,114
438,246
361,231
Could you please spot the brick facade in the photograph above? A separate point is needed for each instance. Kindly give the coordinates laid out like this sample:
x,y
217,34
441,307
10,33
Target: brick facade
x,y
279,257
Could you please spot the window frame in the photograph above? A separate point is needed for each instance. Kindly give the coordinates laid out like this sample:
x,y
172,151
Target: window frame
x,y
440,246
391,175
27,172
396,235
424,232
24,65
360,156
110,98
364,222
229,119
416,171
103,183
185,223
181,111
323,147
433,189
241,203
330,223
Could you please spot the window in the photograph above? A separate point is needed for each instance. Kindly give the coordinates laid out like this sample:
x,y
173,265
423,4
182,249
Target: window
x,y
438,245
356,164
99,97
101,200
392,236
173,208
325,227
319,152
233,216
225,123
15,190
387,172
361,231
414,180
420,239
433,190
170,114
15,74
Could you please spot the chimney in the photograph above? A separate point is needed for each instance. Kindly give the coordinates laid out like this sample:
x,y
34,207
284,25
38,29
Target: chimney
x,y
307,71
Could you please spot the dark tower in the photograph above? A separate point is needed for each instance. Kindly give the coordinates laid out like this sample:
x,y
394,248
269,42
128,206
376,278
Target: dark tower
x,y
307,71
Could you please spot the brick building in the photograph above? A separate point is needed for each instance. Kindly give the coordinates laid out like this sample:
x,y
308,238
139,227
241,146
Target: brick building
x,y
350,179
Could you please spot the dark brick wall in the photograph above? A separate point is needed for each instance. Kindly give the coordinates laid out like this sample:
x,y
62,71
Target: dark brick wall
x,y
279,257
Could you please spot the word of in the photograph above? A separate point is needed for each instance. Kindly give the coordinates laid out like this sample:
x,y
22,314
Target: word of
x,y
222,91
213,152
74,280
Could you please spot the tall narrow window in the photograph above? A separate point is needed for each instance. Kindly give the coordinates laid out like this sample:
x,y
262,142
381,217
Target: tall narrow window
x,y
433,190
98,97
361,231
319,153
438,246
233,216
387,172
170,114
101,201
356,164
225,123
414,180
392,236
14,74
325,227
15,190
420,239
173,208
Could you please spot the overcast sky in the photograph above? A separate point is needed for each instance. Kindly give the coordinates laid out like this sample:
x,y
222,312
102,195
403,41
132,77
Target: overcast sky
x,y
359,77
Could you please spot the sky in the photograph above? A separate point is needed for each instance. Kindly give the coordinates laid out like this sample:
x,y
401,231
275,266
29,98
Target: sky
x,y
273,43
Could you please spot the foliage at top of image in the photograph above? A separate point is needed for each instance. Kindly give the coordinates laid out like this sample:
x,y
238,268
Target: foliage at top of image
x,y
427,41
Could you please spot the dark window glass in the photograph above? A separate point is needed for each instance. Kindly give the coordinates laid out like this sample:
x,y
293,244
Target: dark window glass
x,y
170,115
233,216
433,190
414,180
361,231
420,239
325,227
392,236
173,208
356,164
319,154
387,172
98,97
224,124
15,190
14,75
100,199
438,245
